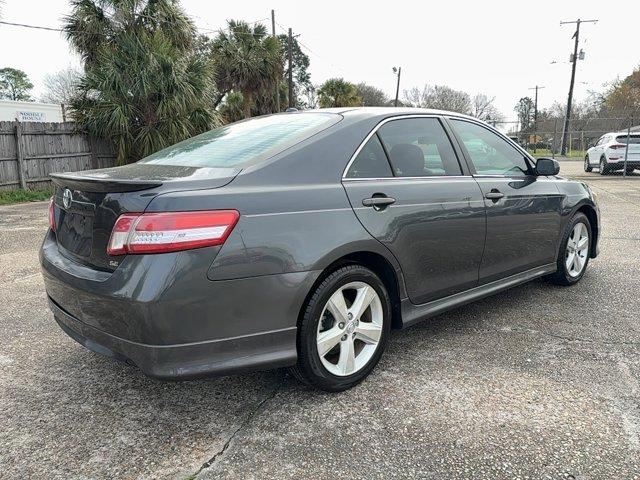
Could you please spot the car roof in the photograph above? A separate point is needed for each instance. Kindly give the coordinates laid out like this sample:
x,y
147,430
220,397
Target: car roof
x,y
388,111
623,132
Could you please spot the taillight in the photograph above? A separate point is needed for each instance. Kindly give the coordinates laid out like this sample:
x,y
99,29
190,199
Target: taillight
x,y
615,147
170,231
52,213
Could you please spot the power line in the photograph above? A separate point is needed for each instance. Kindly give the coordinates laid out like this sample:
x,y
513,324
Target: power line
x,y
24,25
200,29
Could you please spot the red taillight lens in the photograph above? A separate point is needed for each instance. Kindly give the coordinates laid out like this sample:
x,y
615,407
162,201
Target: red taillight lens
x,y
52,213
616,147
170,231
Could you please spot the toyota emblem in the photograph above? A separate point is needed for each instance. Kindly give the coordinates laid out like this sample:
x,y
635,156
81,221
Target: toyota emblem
x,y
67,197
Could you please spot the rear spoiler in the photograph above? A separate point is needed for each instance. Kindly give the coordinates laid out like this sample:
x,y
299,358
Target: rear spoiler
x,y
86,183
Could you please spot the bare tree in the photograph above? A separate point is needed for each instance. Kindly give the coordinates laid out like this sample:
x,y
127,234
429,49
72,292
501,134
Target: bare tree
x,y
372,96
60,87
482,108
440,97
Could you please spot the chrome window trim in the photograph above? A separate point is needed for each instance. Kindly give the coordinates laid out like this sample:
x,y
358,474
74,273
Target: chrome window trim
x,y
375,130
424,177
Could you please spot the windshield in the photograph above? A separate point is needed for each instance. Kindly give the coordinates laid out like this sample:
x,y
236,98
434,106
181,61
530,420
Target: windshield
x,y
242,143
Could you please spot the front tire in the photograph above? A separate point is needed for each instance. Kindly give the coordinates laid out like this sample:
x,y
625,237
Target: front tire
x,y
587,166
604,167
344,329
573,257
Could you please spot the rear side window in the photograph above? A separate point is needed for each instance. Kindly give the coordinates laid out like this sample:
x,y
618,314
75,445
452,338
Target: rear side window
x,y
419,147
633,139
242,143
371,162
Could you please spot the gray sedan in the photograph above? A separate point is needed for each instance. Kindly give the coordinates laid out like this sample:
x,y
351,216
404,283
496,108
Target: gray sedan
x,y
300,239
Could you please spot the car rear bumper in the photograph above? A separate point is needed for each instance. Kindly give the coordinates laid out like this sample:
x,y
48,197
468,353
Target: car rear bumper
x,y
172,362
620,163
164,315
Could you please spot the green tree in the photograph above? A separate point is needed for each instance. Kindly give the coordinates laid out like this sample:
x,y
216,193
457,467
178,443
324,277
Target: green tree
x,y
248,60
525,110
14,84
337,92
302,87
143,87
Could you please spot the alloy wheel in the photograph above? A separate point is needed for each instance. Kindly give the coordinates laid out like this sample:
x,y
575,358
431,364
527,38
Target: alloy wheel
x,y
577,250
350,328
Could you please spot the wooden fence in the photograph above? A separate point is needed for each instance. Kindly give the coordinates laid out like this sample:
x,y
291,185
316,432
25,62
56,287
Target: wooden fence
x,y
30,151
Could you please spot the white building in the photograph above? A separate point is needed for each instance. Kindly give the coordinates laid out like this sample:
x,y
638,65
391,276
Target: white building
x,y
30,111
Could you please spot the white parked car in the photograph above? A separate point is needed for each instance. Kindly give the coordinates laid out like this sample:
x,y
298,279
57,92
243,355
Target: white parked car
x,y
609,151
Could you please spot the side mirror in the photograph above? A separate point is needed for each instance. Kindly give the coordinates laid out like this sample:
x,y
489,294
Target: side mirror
x,y
547,166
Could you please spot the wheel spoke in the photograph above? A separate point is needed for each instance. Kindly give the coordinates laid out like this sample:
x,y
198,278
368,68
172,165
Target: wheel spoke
x,y
569,261
328,339
369,332
338,308
347,360
364,297
577,267
582,243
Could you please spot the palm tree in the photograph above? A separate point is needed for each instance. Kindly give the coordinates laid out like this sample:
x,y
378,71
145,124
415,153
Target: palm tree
x,y
336,92
246,59
142,86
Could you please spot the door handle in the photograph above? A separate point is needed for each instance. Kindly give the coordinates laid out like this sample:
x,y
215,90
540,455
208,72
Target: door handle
x,y
494,195
378,201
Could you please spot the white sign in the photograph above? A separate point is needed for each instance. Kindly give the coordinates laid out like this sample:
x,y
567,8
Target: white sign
x,y
31,116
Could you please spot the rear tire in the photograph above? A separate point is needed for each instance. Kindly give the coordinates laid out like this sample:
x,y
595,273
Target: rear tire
x,y
587,167
604,167
333,323
573,257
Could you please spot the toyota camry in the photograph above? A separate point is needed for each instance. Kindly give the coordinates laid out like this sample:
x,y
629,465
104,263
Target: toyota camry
x,y
301,239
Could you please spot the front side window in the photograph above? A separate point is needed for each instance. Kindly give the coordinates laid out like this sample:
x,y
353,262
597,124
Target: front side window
x,y
489,153
371,162
242,143
419,147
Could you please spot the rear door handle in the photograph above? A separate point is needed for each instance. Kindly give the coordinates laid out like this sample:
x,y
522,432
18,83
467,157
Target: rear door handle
x,y
494,195
378,201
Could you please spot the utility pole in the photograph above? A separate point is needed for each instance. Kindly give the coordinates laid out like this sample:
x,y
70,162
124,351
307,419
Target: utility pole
x,y
397,71
567,118
277,91
535,117
291,105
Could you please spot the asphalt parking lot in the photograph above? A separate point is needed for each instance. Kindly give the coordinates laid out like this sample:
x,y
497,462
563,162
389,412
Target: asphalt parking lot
x,y
537,382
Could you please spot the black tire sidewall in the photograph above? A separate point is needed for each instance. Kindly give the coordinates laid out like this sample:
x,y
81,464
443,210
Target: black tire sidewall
x,y
309,361
603,166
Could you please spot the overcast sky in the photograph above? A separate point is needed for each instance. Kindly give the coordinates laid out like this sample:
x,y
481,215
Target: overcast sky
x,y
497,48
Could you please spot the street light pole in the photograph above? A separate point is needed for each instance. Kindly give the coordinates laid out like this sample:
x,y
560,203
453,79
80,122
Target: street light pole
x,y
397,71
535,118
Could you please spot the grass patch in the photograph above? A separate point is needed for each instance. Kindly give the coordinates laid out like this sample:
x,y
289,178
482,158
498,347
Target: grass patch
x,y
20,196
544,152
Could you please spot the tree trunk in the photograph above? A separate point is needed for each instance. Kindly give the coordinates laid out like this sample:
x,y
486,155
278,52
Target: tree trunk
x,y
246,102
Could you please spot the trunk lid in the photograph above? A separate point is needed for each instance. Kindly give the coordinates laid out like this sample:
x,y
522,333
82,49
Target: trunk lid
x,y
88,203
634,146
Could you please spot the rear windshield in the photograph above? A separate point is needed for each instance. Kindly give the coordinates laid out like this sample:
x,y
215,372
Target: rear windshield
x,y
246,142
633,139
